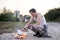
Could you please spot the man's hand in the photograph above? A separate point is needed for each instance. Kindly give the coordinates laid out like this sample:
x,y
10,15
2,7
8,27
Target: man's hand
x,y
25,29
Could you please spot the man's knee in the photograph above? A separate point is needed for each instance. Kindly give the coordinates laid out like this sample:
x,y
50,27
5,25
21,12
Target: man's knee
x,y
30,26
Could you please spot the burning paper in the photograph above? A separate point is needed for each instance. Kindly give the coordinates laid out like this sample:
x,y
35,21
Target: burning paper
x,y
20,34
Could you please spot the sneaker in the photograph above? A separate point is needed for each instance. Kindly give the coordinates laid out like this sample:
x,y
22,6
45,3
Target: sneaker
x,y
39,35
36,34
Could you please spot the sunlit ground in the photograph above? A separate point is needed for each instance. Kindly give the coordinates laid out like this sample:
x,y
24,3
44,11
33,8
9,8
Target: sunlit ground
x,y
53,31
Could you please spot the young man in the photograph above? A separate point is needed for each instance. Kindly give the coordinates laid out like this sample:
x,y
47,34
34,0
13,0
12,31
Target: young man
x,y
40,28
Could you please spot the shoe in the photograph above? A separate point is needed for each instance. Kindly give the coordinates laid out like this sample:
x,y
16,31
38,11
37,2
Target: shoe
x,y
39,35
36,34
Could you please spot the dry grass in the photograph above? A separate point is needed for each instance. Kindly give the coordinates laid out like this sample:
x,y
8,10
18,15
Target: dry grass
x,y
9,26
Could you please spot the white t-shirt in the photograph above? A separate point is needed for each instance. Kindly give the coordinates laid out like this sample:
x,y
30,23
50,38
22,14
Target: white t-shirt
x,y
43,20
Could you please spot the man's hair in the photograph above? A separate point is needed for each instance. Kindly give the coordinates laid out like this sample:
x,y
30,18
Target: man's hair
x,y
32,10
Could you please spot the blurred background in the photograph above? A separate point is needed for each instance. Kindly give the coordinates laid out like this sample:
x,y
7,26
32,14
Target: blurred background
x,y
15,13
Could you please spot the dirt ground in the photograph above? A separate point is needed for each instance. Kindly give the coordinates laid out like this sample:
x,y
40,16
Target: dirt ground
x,y
53,31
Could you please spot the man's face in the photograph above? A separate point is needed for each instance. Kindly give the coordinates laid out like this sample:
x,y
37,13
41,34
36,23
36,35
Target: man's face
x,y
33,14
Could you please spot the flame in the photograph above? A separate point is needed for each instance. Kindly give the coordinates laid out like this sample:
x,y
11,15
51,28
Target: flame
x,y
21,36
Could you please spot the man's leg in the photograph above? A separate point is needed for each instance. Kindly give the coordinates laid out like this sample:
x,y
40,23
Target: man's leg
x,y
34,29
42,31
38,30
45,33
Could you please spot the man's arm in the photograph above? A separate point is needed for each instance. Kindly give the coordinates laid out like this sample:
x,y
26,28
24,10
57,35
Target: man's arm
x,y
27,24
39,18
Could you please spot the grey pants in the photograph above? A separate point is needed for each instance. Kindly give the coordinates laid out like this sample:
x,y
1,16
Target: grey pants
x,y
38,28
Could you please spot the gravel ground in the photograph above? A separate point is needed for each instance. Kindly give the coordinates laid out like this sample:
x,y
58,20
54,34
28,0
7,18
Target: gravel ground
x,y
53,31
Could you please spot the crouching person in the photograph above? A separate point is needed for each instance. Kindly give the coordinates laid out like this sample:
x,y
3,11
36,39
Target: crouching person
x,y
40,27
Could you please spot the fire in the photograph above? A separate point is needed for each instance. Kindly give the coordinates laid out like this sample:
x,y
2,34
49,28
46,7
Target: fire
x,y
20,36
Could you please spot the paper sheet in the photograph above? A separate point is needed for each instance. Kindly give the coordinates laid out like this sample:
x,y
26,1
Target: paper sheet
x,y
19,31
